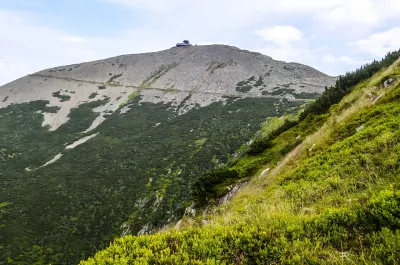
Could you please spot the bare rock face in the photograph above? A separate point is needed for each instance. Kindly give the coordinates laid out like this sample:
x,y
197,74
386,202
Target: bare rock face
x,y
187,77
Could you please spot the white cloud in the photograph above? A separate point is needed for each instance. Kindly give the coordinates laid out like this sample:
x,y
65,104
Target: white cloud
x,y
332,13
157,5
329,58
29,46
280,35
71,39
287,53
284,43
380,43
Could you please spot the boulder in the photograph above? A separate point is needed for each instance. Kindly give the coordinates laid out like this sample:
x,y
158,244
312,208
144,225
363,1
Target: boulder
x,y
190,211
388,82
385,84
232,192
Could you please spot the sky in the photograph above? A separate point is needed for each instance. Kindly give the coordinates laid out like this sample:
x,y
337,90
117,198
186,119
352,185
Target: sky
x,y
333,36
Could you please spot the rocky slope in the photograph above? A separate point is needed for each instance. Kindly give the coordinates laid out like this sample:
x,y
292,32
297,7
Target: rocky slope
x,y
92,151
206,73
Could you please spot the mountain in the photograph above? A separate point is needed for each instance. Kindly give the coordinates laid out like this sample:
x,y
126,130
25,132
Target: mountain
x,y
93,151
323,188
200,74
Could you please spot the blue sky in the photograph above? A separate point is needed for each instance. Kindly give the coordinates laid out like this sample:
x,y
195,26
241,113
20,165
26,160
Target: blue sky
x,y
333,36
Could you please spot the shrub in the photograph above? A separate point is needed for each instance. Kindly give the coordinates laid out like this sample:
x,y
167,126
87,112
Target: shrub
x,y
205,187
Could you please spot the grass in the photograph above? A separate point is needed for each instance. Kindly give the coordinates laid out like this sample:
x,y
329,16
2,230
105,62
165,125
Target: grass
x,y
171,90
131,97
332,197
163,69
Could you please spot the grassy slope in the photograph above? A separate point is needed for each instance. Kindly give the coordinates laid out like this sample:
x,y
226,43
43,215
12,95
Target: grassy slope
x,y
134,173
333,199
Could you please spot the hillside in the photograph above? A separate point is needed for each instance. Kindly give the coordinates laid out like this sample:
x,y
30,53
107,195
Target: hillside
x,y
324,189
95,151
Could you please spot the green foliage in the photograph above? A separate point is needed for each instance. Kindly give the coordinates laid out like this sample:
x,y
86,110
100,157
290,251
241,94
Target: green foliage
x,y
268,149
113,77
260,82
213,66
133,95
260,145
133,173
244,88
246,85
346,83
163,69
205,187
282,91
336,204
277,146
304,95
93,95
317,240
62,98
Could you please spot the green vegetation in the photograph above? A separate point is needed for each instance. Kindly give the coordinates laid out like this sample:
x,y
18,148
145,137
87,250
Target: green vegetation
x,y
171,90
132,174
282,91
346,83
134,95
150,80
93,95
330,196
304,95
208,186
246,85
290,241
113,77
213,66
62,98
260,82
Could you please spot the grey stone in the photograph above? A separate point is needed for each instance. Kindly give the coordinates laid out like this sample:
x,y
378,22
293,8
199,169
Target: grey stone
x,y
232,191
388,82
360,128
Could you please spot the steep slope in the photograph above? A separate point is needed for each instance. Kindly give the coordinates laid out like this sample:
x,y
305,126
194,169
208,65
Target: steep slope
x,y
93,151
332,199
